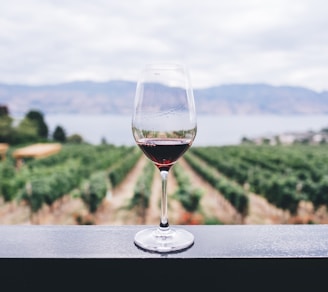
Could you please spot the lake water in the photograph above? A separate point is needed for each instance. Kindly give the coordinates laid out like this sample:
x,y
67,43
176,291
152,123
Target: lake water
x,y
212,130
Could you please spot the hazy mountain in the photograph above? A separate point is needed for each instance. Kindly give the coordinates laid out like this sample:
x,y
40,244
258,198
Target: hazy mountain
x,y
117,97
261,98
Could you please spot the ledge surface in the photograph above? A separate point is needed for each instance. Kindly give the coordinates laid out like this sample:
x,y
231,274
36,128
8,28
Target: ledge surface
x,y
211,242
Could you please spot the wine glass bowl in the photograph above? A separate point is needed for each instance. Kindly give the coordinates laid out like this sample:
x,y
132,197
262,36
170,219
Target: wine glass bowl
x,y
164,127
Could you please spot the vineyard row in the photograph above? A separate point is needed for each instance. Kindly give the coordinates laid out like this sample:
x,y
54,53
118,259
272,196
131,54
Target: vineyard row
x,y
283,175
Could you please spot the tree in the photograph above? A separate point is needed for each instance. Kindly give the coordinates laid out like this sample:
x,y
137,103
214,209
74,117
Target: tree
x,y
4,110
59,134
5,125
75,139
37,117
25,132
5,129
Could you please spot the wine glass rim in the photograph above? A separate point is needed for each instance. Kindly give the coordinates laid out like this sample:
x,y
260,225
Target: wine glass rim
x,y
165,65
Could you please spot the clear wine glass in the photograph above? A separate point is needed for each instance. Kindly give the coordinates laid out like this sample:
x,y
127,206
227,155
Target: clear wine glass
x,y
164,127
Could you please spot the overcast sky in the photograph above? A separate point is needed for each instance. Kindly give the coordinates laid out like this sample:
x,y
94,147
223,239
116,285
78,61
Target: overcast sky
x,y
280,42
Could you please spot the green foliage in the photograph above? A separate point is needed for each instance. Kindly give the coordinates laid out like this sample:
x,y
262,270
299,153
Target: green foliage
x,y
43,181
120,170
37,118
6,129
32,128
94,190
284,175
233,192
10,182
4,111
59,134
25,132
75,139
142,191
188,196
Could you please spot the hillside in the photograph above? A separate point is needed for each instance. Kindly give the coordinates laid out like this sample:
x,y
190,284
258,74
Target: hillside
x,y
117,97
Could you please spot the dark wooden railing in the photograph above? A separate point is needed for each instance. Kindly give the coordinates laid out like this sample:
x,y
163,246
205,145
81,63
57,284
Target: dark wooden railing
x,y
223,258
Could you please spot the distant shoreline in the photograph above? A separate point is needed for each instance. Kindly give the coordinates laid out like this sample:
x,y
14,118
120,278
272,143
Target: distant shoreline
x,y
212,129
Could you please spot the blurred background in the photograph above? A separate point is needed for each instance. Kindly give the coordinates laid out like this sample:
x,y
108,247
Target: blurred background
x,y
68,71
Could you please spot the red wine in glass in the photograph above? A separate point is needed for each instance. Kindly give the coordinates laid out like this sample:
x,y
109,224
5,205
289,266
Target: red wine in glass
x,y
164,152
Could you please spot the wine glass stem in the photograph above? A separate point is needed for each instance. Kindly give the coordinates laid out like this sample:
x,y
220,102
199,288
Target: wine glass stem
x,y
164,224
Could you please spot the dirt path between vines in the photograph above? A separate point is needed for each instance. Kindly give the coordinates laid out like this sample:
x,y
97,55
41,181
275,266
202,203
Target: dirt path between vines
x,y
214,204
174,207
113,211
71,211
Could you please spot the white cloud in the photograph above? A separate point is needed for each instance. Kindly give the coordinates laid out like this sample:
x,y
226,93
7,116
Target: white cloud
x,y
273,41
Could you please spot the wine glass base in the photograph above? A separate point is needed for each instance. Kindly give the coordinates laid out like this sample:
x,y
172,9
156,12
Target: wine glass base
x,y
164,240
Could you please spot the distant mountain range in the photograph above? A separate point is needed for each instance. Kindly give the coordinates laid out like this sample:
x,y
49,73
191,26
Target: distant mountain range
x,y
89,97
